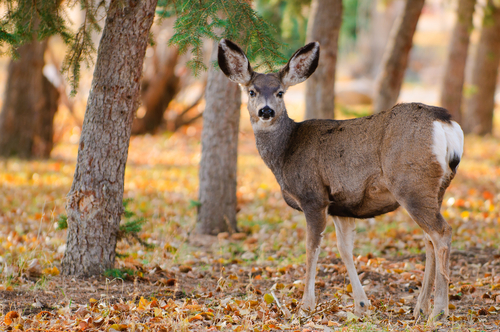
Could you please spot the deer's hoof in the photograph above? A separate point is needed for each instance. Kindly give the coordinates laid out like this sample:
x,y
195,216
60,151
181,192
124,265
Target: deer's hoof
x,y
308,304
421,310
438,314
361,308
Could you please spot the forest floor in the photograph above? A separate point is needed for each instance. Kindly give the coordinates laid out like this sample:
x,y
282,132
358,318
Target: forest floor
x,y
236,282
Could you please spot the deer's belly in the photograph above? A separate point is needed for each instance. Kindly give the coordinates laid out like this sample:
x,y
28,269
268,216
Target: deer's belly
x,y
374,201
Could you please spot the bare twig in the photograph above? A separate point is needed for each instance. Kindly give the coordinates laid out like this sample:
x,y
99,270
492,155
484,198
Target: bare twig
x,y
179,120
283,308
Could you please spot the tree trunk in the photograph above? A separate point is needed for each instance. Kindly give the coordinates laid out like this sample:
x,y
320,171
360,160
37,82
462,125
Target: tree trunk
x,y
395,58
219,141
324,25
453,80
157,93
373,35
43,140
478,112
95,201
25,105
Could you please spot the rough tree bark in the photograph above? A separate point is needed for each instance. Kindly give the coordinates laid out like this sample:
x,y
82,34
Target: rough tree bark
x,y
94,203
157,93
219,141
395,58
453,80
479,104
325,19
21,131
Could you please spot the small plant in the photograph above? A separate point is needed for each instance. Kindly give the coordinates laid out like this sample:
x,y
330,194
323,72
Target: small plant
x,y
118,273
131,226
194,204
62,222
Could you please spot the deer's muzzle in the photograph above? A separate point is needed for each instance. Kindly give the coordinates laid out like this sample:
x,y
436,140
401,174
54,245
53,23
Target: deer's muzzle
x,y
266,113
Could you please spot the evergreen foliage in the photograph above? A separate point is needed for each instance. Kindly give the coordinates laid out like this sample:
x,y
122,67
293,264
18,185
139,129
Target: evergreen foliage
x,y
197,20
82,48
25,21
215,19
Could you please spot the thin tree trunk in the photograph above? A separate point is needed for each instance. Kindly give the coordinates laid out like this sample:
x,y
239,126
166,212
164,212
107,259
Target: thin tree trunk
x,y
478,111
395,58
23,101
159,92
43,140
372,38
217,212
324,25
94,204
453,80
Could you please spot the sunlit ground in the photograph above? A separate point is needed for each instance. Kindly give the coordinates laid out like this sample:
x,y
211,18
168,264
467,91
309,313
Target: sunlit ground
x,y
162,182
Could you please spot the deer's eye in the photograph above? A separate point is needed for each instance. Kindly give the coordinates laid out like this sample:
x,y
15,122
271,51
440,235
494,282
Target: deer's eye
x,y
251,93
280,94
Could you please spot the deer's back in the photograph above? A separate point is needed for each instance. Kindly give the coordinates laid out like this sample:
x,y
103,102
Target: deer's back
x,y
356,165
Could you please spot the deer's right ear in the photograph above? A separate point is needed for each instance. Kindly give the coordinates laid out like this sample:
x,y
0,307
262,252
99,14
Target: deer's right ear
x,y
233,62
301,65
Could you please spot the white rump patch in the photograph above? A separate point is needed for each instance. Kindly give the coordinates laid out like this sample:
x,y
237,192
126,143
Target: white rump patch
x,y
448,142
455,139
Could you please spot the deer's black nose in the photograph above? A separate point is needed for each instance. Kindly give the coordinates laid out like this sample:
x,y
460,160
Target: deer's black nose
x,y
266,113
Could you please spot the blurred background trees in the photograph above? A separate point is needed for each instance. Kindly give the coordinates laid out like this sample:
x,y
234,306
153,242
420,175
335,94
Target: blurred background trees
x,y
480,99
374,54
325,18
396,55
454,74
31,100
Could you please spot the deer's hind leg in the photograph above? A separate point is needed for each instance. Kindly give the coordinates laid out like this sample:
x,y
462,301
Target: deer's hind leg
x,y
423,304
424,210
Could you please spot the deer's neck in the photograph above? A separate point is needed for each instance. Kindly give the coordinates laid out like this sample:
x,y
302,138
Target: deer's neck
x,y
272,144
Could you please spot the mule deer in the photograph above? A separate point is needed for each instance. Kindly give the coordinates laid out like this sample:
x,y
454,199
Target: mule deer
x,y
357,168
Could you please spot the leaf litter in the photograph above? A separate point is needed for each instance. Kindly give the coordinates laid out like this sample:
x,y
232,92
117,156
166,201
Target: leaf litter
x,y
251,280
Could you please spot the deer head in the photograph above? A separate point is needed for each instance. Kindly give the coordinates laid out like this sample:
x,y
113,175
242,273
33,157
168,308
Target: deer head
x,y
265,91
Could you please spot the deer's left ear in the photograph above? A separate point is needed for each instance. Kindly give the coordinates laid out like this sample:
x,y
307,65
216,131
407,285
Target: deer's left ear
x,y
301,65
233,62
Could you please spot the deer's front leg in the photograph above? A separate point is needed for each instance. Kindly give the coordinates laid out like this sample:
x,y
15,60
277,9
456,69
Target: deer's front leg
x,y
316,222
345,228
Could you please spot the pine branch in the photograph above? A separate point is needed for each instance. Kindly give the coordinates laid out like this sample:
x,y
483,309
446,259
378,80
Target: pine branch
x,y
82,48
197,20
215,19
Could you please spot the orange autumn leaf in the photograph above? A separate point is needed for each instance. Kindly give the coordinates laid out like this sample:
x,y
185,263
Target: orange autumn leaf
x,y
193,307
10,316
488,195
143,304
197,317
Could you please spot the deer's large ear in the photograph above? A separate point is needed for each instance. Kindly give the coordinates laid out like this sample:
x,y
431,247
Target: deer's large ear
x,y
233,62
301,65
